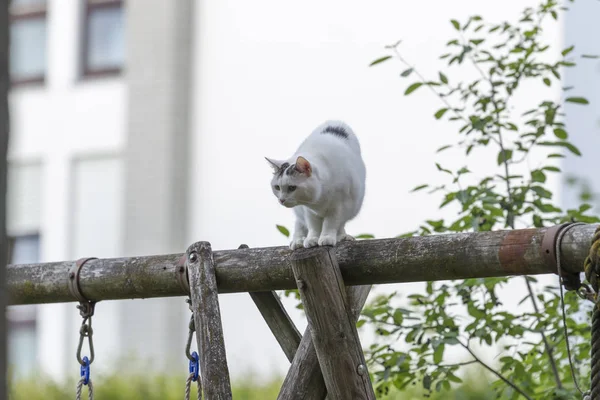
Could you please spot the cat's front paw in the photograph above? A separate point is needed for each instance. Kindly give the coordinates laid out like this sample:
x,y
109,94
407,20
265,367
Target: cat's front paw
x,y
311,241
345,238
297,244
327,240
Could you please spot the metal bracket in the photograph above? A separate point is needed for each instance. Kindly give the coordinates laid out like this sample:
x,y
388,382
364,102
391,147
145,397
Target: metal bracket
x,y
182,274
571,280
86,307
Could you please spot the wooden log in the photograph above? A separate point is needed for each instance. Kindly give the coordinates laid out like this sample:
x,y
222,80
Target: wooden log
x,y
278,320
304,380
207,318
332,326
428,258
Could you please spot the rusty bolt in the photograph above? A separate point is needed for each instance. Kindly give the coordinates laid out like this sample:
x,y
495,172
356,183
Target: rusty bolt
x,y
72,275
193,256
361,369
181,269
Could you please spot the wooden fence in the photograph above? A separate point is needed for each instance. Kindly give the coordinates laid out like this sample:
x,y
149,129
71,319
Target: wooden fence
x,y
334,282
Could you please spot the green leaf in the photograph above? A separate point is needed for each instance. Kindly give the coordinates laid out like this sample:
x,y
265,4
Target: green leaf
x,y
380,60
543,193
412,88
398,317
419,188
578,100
547,81
567,50
593,56
443,148
551,168
438,354
440,113
427,382
504,155
455,24
568,145
406,72
560,133
365,236
538,176
283,230
443,78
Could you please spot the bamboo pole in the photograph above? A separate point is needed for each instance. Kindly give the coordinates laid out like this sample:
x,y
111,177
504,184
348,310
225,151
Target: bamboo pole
x,y
365,262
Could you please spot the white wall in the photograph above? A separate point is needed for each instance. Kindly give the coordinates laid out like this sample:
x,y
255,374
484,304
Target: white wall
x,y
269,72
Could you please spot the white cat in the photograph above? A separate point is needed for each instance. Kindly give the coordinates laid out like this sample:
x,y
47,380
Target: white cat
x,y
324,181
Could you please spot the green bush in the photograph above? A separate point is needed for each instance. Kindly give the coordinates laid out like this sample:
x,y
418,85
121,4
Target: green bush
x,y
162,387
133,387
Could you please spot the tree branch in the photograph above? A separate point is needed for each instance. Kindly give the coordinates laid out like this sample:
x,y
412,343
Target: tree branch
x,y
493,371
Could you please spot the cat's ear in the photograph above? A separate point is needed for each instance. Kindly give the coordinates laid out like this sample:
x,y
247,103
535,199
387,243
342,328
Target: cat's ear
x,y
303,166
276,164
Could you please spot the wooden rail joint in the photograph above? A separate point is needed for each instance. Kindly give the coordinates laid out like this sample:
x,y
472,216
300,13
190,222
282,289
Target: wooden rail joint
x,y
571,279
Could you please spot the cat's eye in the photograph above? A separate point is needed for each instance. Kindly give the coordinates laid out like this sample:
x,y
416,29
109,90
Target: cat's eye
x,y
291,188
277,187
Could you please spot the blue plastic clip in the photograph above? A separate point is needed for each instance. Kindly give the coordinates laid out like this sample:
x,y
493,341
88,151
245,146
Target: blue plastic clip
x,y
195,366
85,370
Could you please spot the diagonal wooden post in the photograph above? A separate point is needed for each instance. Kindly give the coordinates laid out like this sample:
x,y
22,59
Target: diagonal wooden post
x,y
277,319
332,325
207,318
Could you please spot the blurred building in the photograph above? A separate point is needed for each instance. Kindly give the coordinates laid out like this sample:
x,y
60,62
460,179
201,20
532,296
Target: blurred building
x,y
140,126
98,165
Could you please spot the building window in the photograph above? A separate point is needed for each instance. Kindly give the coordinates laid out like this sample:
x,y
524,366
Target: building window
x,y
104,41
27,41
22,343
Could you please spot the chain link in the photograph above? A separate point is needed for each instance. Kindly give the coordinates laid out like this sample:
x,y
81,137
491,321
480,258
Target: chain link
x,y
86,331
90,389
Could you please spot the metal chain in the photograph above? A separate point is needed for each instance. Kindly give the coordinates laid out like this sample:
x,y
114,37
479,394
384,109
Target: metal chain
x,y
194,366
86,309
562,301
188,385
192,329
90,389
86,331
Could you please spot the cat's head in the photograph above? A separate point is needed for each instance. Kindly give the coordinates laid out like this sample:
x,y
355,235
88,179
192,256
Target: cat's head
x,y
293,184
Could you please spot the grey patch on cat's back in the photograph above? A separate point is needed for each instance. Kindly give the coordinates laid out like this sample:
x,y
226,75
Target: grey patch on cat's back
x,y
336,131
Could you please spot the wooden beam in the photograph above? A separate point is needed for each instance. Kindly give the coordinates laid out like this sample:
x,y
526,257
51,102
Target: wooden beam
x,y
207,318
332,326
304,380
362,262
278,320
